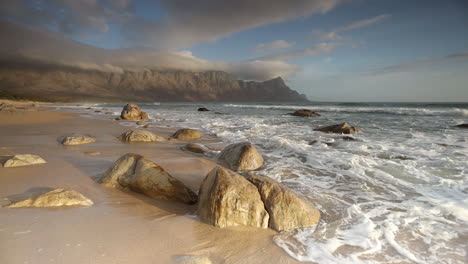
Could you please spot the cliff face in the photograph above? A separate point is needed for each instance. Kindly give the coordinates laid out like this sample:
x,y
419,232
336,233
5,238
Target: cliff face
x,y
67,84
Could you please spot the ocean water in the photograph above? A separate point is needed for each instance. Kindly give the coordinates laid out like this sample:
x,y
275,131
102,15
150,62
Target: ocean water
x,y
397,194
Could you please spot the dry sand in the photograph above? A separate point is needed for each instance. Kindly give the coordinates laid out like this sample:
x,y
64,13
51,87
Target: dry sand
x,y
121,227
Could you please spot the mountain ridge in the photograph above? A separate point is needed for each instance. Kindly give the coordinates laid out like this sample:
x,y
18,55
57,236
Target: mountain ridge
x,y
59,83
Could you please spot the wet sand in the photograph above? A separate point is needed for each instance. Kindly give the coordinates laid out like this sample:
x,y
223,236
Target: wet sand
x,y
122,227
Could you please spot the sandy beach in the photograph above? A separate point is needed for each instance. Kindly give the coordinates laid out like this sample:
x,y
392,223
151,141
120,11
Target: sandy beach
x,y
121,227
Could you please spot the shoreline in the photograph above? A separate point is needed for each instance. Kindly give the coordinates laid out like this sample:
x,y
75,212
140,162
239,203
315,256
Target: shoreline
x,y
121,227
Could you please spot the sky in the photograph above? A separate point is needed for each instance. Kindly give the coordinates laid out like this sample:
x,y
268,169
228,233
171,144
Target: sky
x,y
330,50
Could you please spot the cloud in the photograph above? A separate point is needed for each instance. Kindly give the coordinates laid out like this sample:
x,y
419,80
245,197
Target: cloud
x,y
416,65
309,51
333,35
181,25
275,45
37,46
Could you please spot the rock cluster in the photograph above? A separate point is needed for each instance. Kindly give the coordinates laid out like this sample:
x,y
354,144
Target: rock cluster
x,y
305,112
140,135
77,140
187,133
23,160
134,172
241,157
58,197
343,128
133,112
229,199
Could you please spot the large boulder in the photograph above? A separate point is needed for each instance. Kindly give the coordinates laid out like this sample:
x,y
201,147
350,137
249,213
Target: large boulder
x,y
196,148
133,112
287,210
140,135
241,157
23,160
228,199
343,128
77,140
187,133
305,112
138,174
58,197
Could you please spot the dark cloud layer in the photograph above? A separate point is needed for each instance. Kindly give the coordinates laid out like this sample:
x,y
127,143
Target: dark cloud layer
x,y
183,24
31,44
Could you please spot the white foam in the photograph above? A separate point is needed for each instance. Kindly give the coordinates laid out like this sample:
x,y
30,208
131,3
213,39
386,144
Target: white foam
x,y
395,195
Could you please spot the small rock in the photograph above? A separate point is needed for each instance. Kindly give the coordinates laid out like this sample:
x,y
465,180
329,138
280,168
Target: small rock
x,y
92,153
187,133
23,160
203,109
349,138
118,118
140,135
462,126
287,210
77,140
89,108
228,199
138,174
108,113
133,112
97,111
146,126
196,147
305,112
241,157
141,123
193,260
343,128
58,197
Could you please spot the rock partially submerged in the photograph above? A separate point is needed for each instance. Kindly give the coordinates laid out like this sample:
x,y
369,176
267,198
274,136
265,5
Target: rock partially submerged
x,y
287,210
77,140
241,157
196,147
133,112
203,109
141,123
228,199
305,112
140,135
187,133
23,160
343,128
58,197
138,174
462,126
